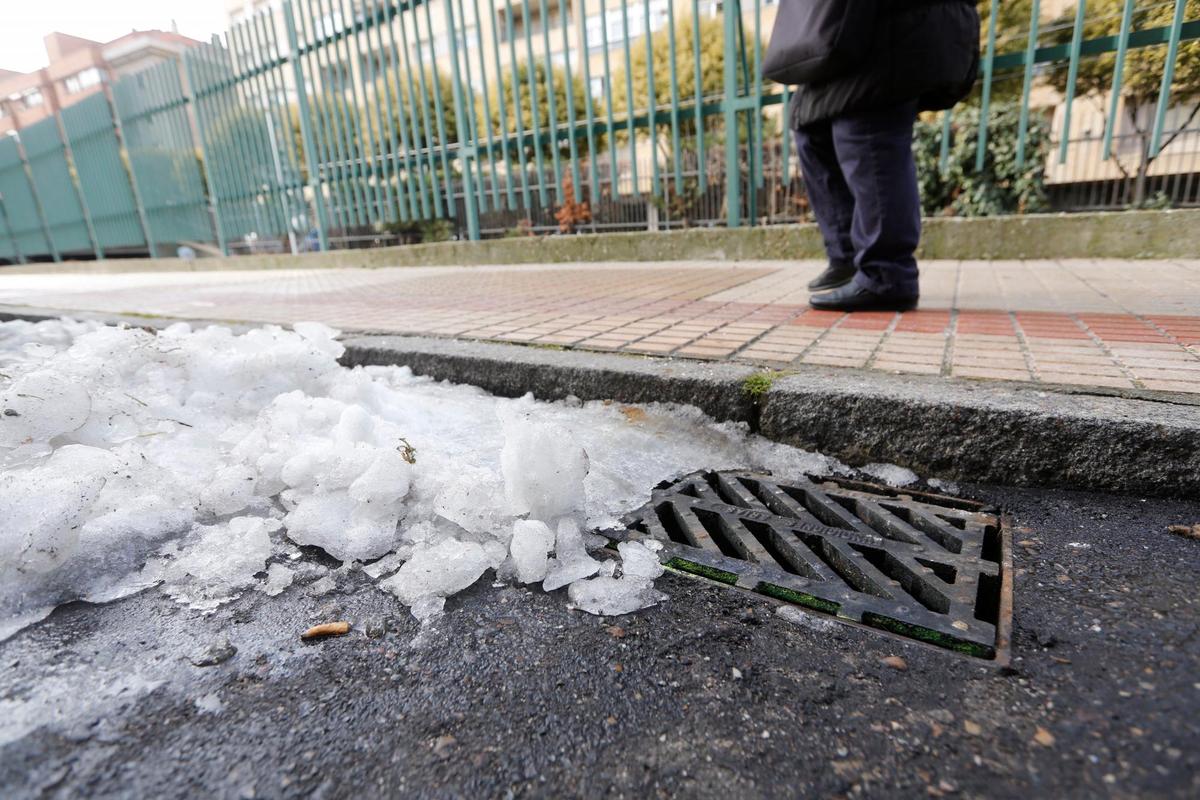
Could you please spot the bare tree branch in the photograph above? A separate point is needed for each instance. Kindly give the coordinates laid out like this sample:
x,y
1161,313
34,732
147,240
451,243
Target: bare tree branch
x,y
1181,128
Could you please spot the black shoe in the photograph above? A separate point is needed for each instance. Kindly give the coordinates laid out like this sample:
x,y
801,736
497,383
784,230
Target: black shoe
x,y
838,273
855,298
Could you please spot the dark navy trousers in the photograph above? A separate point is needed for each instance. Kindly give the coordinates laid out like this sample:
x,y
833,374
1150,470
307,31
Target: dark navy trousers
x,y
861,179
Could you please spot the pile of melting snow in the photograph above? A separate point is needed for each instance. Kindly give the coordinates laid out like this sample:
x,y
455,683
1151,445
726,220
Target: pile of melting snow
x,y
199,460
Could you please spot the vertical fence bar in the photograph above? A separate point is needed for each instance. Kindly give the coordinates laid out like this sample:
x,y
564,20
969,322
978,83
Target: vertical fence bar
x,y
534,105
1030,55
189,92
551,101
651,103
1164,92
502,106
69,157
635,189
345,46
613,184
699,78
37,202
573,145
589,110
1072,78
123,145
1118,79
264,34
676,155
327,154
733,196
484,86
518,110
989,64
380,169
421,124
439,112
14,246
417,203
465,153
397,139
944,147
315,182
473,136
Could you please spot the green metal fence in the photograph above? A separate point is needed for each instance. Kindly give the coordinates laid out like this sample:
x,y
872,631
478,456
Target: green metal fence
x,y
340,123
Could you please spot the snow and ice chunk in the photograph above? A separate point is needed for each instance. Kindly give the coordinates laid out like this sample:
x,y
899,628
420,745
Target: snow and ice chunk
x,y
199,458
279,578
438,571
217,561
612,597
891,474
634,590
41,405
571,560
544,468
530,549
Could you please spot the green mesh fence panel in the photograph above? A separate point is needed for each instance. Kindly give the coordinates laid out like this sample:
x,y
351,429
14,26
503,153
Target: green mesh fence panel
x,y
102,174
47,159
152,110
23,214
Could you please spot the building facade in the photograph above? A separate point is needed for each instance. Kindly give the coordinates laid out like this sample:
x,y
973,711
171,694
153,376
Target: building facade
x,y
78,68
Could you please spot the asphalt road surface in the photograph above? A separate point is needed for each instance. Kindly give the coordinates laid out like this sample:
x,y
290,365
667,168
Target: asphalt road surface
x,y
712,694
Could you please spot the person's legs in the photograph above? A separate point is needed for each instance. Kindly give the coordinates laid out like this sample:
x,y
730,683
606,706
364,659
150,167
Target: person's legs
x,y
830,197
874,150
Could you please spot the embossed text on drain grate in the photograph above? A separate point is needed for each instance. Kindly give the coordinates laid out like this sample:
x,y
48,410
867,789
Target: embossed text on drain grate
x,y
922,566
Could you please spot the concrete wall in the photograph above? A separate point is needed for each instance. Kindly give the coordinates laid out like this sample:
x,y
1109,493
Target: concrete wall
x,y
1123,234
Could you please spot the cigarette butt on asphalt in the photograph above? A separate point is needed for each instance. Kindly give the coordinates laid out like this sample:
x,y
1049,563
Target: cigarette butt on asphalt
x,y
326,629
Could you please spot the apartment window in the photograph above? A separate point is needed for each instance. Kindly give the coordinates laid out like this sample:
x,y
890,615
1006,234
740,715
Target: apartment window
x,y
82,80
535,23
32,98
613,20
467,40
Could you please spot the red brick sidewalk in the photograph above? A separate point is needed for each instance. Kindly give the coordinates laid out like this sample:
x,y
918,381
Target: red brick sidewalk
x,y
1132,324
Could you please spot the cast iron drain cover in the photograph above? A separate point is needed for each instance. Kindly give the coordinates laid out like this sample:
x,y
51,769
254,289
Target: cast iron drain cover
x,y
923,566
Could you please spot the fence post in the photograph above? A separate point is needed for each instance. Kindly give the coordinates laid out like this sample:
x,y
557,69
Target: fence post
x,y
989,61
8,232
465,152
310,156
1114,100
1072,79
733,186
1168,77
73,171
127,162
37,200
1030,56
189,95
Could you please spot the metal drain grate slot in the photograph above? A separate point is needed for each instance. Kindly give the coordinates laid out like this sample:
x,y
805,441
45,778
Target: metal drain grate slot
x,y
919,565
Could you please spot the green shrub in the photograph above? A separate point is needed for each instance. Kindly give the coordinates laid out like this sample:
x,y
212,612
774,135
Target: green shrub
x,y
1000,188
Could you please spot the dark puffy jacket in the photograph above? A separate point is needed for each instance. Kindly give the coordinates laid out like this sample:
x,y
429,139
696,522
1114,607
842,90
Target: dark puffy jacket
x,y
924,50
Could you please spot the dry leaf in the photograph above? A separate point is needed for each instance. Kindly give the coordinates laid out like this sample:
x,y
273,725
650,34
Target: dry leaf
x,y
326,629
1186,531
1044,737
895,662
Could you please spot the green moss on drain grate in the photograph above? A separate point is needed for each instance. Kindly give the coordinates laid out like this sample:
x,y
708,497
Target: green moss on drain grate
x,y
923,634
712,573
799,598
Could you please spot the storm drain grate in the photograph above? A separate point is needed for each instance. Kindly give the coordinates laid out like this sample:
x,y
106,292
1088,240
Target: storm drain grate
x,y
923,566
